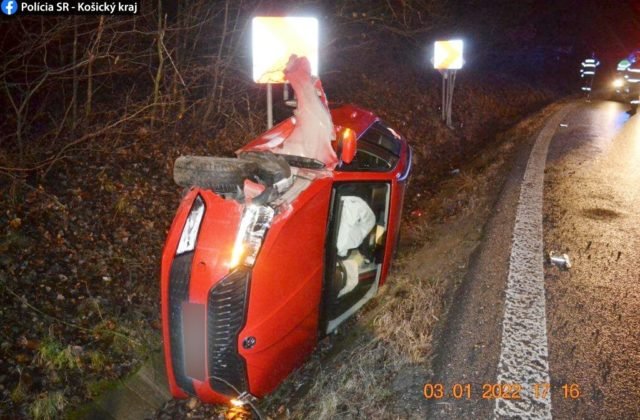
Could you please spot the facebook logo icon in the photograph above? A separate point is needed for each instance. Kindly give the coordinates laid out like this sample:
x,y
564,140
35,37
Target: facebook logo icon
x,y
9,7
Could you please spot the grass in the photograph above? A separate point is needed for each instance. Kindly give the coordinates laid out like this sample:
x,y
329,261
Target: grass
x,y
405,323
97,360
97,388
53,355
119,337
19,393
48,406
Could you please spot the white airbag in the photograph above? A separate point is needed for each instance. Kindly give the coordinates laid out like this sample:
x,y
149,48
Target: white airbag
x,y
356,222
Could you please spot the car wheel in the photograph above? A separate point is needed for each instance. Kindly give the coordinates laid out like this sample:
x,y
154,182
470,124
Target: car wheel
x,y
272,168
222,175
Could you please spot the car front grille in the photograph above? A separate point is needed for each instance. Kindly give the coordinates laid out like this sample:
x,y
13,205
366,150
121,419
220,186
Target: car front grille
x,y
226,315
179,277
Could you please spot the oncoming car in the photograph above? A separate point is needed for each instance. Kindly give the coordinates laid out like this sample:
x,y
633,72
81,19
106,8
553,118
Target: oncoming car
x,y
249,285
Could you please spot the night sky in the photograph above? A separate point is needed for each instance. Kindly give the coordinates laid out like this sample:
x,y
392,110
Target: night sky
x,y
611,29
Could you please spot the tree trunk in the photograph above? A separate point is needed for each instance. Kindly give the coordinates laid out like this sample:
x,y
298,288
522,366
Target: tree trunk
x,y
158,78
217,66
92,55
74,95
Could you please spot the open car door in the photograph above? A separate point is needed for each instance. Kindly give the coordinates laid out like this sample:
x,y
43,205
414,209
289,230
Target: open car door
x,y
356,241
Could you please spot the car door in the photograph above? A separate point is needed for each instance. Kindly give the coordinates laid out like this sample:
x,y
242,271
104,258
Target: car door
x,y
356,243
359,220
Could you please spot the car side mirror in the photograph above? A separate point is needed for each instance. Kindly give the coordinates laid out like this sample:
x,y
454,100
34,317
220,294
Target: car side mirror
x,y
349,144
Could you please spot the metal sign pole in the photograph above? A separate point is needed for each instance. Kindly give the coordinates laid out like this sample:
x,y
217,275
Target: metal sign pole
x,y
444,94
452,82
269,106
448,97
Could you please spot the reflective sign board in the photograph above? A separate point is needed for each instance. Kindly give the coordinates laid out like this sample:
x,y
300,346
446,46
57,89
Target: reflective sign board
x,y
274,39
447,55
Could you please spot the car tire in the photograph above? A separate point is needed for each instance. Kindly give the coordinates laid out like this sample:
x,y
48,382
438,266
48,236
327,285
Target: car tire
x,y
272,168
222,175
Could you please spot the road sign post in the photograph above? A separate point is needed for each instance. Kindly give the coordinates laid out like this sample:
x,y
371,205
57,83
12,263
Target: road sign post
x,y
269,105
449,80
447,58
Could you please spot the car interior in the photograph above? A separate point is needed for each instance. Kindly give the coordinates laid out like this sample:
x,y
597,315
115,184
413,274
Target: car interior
x,y
356,271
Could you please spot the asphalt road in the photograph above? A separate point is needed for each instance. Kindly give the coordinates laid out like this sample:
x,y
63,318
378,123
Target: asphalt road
x,y
566,341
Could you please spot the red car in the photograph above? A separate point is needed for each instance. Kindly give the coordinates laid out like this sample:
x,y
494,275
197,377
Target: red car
x,y
249,288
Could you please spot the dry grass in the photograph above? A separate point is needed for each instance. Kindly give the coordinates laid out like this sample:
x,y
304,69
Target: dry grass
x,y
48,406
19,393
97,360
405,321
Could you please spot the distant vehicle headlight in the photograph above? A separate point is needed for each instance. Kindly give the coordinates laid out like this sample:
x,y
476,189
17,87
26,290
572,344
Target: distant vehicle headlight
x,y
618,83
253,227
191,227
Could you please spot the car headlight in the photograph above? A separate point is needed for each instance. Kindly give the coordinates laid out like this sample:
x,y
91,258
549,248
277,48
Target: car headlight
x,y
618,83
253,227
191,227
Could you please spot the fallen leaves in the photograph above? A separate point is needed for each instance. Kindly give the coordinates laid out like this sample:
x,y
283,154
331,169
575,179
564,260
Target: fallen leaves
x,y
65,250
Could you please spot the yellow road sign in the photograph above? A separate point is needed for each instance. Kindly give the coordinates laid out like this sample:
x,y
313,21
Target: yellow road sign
x,y
275,39
447,55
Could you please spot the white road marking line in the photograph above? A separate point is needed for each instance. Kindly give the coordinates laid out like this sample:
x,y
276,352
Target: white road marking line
x,y
524,354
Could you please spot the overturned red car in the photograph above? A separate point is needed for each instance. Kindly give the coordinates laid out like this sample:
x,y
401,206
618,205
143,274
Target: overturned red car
x,y
271,250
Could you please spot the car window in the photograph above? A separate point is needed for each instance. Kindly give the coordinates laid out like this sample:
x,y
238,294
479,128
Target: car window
x,y
384,137
378,151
